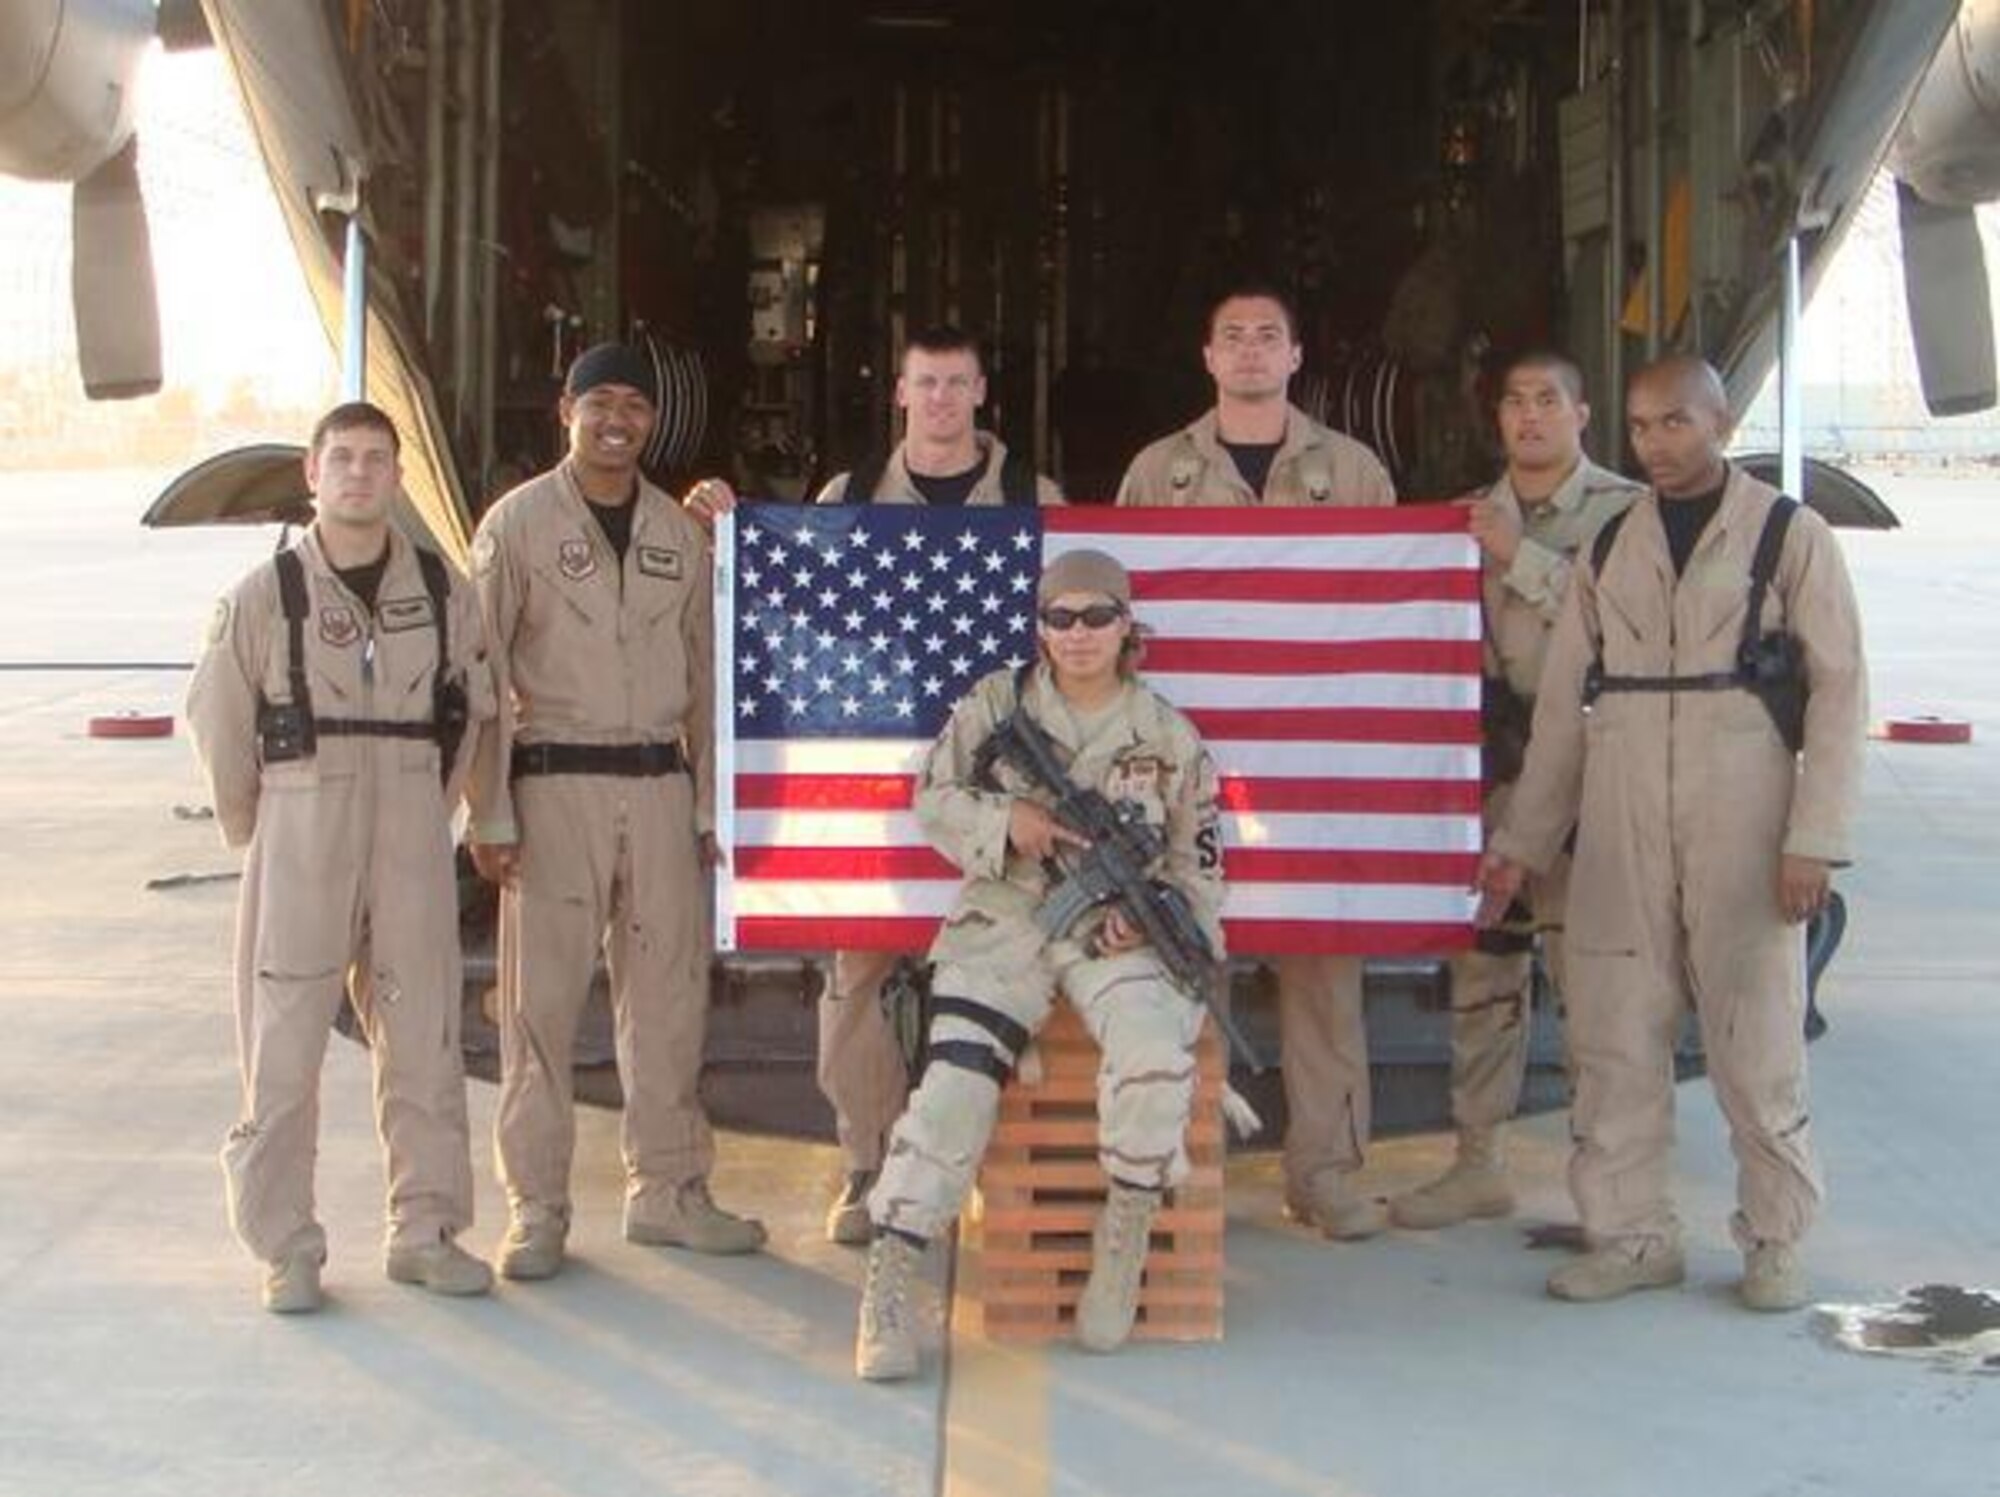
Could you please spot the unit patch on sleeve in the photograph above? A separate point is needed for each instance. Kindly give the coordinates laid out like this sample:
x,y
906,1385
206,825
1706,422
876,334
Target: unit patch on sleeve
x,y
660,561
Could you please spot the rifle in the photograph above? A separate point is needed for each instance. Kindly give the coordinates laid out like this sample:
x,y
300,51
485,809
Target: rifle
x,y
1112,870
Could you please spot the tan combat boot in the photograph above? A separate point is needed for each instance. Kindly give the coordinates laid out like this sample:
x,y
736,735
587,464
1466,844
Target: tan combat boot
x,y
443,1267
1117,1261
1773,1278
291,1283
1331,1203
692,1221
1475,1185
847,1221
885,1342
1608,1272
533,1247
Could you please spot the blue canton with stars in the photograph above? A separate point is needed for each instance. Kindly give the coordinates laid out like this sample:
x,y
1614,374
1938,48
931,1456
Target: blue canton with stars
x,y
871,621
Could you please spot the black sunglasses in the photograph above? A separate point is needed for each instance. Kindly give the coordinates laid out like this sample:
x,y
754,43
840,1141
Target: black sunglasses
x,y
1096,616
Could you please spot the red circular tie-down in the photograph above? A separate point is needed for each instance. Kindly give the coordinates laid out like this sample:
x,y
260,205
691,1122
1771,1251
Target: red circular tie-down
x,y
1927,728
131,725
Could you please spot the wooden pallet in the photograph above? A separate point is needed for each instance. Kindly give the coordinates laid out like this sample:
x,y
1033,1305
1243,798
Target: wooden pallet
x,y
1040,1189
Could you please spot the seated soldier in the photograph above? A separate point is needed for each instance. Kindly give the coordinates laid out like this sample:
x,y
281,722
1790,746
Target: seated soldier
x,y
996,968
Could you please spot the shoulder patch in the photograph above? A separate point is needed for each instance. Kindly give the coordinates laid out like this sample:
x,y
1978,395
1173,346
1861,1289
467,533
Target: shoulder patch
x,y
659,561
218,622
485,552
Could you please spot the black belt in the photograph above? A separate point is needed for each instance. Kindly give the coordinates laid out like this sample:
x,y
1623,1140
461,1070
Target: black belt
x,y
373,727
632,760
1596,683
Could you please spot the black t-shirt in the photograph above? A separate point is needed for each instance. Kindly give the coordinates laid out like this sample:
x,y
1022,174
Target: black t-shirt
x,y
1253,461
951,489
365,581
1686,519
615,520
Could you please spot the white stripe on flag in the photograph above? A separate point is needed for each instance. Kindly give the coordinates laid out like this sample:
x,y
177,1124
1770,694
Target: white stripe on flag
x,y
1275,553
1238,759
1402,904
1314,623
1274,829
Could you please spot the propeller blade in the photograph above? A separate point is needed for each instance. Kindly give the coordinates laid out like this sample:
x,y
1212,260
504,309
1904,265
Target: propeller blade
x,y
1951,314
111,282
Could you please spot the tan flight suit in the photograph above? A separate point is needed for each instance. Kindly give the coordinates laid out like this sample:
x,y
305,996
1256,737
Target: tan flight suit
x,y
1489,991
349,880
991,951
1683,803
861,1070
592,653
1324,1041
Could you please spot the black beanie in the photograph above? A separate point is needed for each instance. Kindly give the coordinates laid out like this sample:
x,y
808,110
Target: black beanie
x,y
612,364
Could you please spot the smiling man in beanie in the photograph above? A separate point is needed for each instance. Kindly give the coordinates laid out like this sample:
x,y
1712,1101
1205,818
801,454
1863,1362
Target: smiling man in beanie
x,y
592,811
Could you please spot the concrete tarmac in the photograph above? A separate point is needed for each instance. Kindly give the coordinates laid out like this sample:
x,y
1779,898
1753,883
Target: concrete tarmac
x,y
134,1358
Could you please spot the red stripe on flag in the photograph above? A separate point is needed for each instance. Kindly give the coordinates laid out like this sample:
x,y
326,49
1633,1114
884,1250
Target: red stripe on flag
x,y
1397,519
1339,725
1261,865
1246,938
1272,585
853,864
1276,657
1365,797
791,933
823,792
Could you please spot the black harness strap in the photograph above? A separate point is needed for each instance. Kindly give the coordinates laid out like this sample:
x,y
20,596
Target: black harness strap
x,y
292,598
1763,567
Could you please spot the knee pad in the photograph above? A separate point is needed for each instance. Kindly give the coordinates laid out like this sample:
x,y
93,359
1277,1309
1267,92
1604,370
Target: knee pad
x,y
991,1050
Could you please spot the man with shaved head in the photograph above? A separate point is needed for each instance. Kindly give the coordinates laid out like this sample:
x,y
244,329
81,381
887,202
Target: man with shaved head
x,y
1710,805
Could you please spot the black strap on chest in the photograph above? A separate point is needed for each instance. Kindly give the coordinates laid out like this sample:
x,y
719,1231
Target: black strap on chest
x,y
291,730
1757,669
1018,482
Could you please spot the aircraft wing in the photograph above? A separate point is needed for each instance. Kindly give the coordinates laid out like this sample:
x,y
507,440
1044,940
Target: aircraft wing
x,y
290,69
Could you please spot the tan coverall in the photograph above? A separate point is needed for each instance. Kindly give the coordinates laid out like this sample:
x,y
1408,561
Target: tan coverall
x,y
991,951
348,880
1325,1044
1683,803
594,653
861,1070
1489,991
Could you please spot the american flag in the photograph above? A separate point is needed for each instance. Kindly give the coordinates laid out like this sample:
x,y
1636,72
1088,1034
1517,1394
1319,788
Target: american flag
x,y
1329,657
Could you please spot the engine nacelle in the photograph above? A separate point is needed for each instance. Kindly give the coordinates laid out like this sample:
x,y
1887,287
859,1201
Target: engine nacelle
x,y
67,76
1948,148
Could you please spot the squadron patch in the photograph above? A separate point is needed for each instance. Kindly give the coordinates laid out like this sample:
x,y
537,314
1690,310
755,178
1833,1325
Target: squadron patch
x,y
485,551
575,560
338,626
399,614
659,561
218,621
